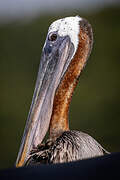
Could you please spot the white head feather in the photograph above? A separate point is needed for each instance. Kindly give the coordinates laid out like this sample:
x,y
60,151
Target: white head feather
x,y
67,26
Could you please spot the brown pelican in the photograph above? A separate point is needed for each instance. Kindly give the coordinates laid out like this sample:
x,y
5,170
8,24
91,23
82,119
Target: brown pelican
x,y
64,55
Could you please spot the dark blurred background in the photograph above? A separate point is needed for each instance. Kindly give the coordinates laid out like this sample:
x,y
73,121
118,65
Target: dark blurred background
x,y
95,107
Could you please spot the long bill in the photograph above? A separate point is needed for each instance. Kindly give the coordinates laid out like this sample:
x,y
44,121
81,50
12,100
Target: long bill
x,y
53,65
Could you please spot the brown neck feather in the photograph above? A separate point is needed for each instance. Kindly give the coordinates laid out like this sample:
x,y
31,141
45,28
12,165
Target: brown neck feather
x,y
59,119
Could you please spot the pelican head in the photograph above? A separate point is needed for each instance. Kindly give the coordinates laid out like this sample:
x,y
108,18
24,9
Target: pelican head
x,y
64,54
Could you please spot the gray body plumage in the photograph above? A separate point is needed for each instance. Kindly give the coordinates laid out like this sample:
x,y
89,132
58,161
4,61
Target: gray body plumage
x,y
70,146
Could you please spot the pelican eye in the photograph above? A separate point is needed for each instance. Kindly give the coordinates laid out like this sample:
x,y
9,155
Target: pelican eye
x,y
52,37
